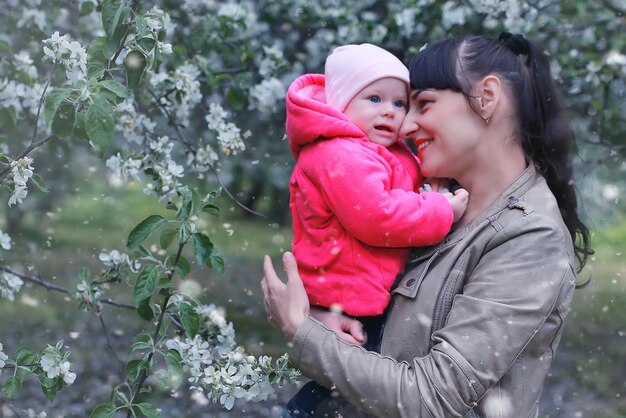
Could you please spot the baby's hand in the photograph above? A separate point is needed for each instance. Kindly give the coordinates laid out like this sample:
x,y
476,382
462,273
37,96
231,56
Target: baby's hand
x,y
458,201
438,184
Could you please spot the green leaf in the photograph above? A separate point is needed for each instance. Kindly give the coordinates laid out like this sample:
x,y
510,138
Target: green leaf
x,y
164,283
97,61
51,391
147,43
143,341
11,387
217,261
195,200
6,118
203,248
236,98
115,87
175,373
145,310
84,274
133,368
182,267
47,382
80,129
39,182
143,230
103,411
4,46
211,209
148,410
145,285
54,100
115,42
185,210
112,11
63,122
190,319
213,194
167,236
135,64
22,354
100,125
86,8
4,159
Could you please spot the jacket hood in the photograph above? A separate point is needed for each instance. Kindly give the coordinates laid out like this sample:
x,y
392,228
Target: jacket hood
x,y
310,118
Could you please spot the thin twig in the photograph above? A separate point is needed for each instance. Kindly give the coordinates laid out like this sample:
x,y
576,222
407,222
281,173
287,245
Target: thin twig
x,y
106,334
171,119
33,141
115,279
241,205
13,366
41,99
57,288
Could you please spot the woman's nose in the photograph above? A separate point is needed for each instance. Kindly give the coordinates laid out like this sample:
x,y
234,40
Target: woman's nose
x,y
409,127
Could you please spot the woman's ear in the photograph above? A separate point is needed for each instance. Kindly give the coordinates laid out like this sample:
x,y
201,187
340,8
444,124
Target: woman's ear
x,y
489,91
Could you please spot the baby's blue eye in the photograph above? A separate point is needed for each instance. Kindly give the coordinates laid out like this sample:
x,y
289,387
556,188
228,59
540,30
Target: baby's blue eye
x,y
375,99
399,103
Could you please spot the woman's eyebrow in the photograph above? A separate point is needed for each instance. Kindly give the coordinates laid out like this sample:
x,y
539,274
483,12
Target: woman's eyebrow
x,y
416,93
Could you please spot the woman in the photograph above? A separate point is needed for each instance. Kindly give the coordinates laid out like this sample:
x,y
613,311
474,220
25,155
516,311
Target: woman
x,y
476,319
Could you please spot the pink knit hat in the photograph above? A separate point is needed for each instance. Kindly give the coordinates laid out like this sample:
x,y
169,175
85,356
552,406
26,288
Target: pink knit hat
x,y
350,68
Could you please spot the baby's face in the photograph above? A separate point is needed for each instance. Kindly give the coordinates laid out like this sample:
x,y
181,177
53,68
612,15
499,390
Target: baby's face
x,y
379,109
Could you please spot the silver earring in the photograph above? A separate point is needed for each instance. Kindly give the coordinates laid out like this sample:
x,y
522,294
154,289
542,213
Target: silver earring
x,y
486,118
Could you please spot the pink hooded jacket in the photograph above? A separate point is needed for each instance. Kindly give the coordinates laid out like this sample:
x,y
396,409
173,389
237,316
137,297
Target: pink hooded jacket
x,y
354,206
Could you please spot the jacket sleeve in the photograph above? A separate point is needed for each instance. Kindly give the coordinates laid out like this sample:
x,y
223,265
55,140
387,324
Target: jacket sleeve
x,y
504,304
356,184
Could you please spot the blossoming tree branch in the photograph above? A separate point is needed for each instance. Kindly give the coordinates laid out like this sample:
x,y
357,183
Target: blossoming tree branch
x,y
167,91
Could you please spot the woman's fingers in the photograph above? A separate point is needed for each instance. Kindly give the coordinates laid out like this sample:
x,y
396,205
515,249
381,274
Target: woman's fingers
x,y
269,274
286,306
354,328
294,282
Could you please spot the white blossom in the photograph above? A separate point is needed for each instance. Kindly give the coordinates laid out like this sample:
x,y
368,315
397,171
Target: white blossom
x,y
5,240
24,63
38,17
10,284
125,170
181,84
54,365
223,372
134,126
115,259
266,94
272,60
18,196
615,59
70,55
452,14
22,170
3,358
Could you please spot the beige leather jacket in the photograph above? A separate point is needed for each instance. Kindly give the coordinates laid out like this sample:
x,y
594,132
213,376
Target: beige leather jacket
x,y
473,324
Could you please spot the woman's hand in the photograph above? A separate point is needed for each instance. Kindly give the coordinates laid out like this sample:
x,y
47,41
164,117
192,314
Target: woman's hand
x,y
348,329
286,305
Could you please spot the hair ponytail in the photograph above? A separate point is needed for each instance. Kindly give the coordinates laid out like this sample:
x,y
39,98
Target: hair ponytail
x,y
524,66
549,141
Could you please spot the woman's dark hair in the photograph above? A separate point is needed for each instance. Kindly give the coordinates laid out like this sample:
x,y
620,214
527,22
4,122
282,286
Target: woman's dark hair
x,y
524,68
